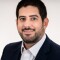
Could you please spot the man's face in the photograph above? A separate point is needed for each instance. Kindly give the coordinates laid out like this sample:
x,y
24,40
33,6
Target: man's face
x,y
30,25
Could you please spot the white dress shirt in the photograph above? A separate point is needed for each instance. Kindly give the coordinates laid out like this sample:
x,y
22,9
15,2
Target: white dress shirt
x,y
31,53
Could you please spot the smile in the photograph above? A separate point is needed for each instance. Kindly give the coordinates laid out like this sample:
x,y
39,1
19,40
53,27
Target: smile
x,y
28,31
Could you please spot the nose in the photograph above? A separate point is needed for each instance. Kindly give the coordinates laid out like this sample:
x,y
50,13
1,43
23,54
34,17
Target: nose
x,y
27,23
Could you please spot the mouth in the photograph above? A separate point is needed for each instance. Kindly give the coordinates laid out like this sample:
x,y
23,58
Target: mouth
x,y
28,31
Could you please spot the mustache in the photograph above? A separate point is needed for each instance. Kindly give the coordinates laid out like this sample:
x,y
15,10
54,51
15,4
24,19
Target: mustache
x,y
28,29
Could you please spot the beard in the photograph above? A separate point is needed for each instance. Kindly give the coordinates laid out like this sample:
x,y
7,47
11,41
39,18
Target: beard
x,y
32,39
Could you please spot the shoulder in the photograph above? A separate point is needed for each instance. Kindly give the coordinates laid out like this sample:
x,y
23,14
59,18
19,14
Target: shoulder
x,y
10,50
12,46
54,49
54,45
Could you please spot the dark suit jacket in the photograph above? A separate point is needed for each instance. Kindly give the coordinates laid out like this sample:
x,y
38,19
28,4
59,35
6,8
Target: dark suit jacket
x,y
49,51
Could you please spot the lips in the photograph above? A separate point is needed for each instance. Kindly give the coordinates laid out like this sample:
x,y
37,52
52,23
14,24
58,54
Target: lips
x,y
28,31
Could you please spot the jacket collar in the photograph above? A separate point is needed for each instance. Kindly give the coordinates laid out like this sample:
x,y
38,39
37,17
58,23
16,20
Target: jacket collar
x,y
44,51
18,51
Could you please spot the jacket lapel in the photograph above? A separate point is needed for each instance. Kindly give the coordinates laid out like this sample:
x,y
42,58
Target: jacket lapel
x,y
44,51
42,54
17,52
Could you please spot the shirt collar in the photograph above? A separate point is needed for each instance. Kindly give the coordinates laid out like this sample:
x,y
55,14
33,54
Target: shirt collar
x,y
34,49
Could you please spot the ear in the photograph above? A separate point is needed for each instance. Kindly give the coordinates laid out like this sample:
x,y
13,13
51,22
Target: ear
x,y
45,23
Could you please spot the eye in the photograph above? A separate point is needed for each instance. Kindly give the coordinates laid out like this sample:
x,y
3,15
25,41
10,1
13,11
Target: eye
x,y
22,18
34,18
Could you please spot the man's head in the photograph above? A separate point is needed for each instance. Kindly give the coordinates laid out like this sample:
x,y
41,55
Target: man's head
x,y
31,20
37,3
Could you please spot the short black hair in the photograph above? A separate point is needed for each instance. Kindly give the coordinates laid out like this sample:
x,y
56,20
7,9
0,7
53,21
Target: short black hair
x,y
37,3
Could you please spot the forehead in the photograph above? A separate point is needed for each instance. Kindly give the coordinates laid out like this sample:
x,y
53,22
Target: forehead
x,y
28,10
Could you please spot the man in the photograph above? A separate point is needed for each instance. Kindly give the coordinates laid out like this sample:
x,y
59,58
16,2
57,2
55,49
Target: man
x,y
31,24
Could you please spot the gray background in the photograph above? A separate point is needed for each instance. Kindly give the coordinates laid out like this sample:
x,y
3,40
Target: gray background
x,y
8,30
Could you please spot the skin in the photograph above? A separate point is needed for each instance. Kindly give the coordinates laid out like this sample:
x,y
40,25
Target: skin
x,y
30,25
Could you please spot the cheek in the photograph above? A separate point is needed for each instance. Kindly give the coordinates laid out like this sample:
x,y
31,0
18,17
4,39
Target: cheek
x,y
19,27
38,26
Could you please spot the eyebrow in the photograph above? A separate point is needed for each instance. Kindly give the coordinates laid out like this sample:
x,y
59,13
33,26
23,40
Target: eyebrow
x,y
33,16
29,16
21,16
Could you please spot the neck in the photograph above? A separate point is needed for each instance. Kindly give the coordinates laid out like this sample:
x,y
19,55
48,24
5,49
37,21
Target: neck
x,y
29,45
